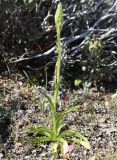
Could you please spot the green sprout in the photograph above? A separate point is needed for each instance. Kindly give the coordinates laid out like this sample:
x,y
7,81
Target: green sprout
x,y
58,135
94,49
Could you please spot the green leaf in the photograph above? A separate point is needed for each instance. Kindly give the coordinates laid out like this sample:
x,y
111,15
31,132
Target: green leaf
x,y
49,100
41,130
64,147
64,113
60,128
56,91
42,139
74,135
54,147
86,144
77,82
52,107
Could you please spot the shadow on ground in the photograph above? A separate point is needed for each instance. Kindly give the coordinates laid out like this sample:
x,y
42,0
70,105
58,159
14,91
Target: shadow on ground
x,y
5,121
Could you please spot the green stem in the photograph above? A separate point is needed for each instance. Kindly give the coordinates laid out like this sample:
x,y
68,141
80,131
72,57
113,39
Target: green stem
x,y
46,77
57,82
59,25
58,65
59,56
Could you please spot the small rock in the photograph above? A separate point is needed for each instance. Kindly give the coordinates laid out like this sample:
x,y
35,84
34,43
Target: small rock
x,y
34,151
27,157
1,155
29,111
101,120
18,145
92,158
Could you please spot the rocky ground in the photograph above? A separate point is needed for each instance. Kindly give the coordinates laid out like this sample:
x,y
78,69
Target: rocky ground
x,y
22,106
32,49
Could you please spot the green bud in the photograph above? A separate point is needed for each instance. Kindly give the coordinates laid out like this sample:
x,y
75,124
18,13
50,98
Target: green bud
x,y
59,17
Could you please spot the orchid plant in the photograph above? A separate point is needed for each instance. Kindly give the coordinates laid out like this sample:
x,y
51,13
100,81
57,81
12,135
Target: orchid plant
x,y
58,135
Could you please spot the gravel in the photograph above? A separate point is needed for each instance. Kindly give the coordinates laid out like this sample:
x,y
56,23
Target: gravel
x,y
96,119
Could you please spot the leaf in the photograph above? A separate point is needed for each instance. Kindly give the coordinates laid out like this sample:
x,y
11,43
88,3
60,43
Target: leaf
x,y
77,82
82,140
64,147
49,100
64,113
52,107
56,91
86,144
59,128
54,147
71,133
41,130
41,139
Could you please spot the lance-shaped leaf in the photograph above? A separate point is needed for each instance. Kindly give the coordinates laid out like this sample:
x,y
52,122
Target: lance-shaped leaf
x,y
54,147
76,137
86,144
50,102
41,130
56,91
64,113
48,98
39,140
60,127
64,147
